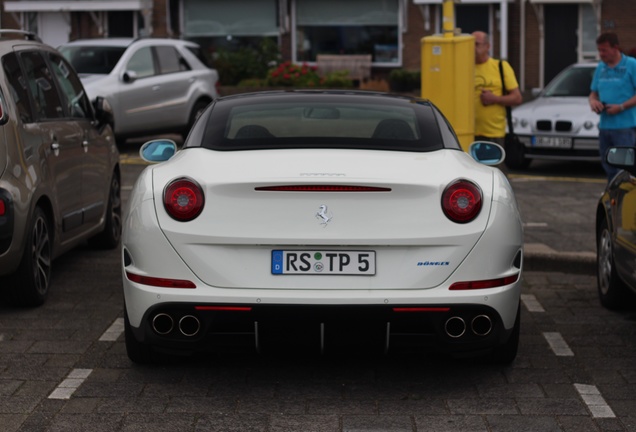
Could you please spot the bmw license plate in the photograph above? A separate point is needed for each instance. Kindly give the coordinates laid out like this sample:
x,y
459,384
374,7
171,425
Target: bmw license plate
x,y
554,142
313,262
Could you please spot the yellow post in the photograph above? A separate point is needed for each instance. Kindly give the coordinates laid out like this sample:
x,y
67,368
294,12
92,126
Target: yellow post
x,y
448,75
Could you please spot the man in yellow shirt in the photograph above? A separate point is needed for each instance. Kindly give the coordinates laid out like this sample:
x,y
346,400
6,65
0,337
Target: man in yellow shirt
x,y
490,102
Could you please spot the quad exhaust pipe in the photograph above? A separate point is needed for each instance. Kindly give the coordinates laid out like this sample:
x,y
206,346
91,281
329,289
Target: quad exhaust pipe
x,y
456,327
162,323
188,325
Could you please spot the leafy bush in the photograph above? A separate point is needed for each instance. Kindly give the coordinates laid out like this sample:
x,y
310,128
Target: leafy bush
x,y
246,62
402,80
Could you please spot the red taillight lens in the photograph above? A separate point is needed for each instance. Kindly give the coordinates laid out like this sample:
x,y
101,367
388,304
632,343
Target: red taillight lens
x,y
461,201
483,284
3,208
160,282
183,199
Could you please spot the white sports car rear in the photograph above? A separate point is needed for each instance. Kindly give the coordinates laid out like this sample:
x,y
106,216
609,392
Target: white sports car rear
x,y
331,216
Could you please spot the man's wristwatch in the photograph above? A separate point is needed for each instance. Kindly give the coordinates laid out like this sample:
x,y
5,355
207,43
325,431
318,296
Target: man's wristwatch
x,y
622,107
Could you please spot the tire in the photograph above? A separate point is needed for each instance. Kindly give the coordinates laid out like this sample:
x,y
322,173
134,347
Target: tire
x,y
506,353
516,156
612,291
29,286
110,236
197,109
138,352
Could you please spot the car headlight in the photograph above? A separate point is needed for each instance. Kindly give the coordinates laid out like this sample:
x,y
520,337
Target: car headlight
x,y
588,124
524,123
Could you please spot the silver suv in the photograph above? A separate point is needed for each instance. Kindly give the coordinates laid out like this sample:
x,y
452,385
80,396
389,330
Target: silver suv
x,y
153,85
59,167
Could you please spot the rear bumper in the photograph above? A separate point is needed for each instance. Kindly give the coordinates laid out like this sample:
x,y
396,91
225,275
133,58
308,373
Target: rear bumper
x,y
181,328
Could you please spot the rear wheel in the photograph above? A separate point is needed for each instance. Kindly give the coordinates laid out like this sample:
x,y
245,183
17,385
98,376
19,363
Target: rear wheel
x,y
29,286
137,352
506,353
196,112
612,291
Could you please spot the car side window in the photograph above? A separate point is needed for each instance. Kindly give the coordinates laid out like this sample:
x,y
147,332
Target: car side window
x,y
170,61
46,99
141,63
18,87
77,103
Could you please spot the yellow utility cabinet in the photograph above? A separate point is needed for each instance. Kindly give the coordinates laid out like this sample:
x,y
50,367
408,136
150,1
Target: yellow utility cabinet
x,y
448,76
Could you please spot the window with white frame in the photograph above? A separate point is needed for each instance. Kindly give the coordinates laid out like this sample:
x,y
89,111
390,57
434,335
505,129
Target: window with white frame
x,y
348,27
229,23
588,32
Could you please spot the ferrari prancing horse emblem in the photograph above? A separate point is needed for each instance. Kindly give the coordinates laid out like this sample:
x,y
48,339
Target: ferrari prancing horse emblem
x,y
323,215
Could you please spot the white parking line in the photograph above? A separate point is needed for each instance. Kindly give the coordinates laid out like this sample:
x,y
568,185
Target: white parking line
x,y
70,384
558,344
531,303
113,332
594,401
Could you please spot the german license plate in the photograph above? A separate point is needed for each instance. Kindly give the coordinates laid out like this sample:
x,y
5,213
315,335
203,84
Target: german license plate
x,y
321,262
554,142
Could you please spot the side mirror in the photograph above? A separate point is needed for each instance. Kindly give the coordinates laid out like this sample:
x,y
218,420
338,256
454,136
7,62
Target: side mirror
x,y
159,150
487,153
103,113
622,157
129,76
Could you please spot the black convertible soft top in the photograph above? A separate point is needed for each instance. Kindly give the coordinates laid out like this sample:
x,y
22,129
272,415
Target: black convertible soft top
x,y
322,119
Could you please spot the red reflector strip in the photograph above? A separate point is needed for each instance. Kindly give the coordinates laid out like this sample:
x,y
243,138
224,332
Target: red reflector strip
x,y
322,188
224,308
421,309
3,208
483,284
160,282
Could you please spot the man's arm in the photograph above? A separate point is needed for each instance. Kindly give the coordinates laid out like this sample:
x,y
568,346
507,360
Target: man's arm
x,y
513,98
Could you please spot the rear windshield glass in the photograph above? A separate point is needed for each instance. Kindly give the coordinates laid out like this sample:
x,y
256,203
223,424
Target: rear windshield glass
x,y
319,121
92,59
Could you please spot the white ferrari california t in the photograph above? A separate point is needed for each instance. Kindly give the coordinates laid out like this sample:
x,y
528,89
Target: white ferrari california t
x,y
330,219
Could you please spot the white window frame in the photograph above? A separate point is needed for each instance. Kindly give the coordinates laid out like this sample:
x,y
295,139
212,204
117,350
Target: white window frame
x,y
400,43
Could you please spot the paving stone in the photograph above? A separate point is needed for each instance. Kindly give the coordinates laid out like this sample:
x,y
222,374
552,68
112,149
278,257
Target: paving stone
x,y
304,423
451,423
358,423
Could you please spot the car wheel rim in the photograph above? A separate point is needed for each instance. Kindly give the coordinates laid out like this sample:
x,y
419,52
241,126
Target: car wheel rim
x,y
41,250
115,211
604,261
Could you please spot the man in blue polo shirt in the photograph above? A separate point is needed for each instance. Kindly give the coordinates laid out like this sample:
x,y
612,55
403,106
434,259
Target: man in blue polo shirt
x,y
613,96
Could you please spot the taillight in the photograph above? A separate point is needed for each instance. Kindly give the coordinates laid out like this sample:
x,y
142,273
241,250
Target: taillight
x,y
160,282
3,207
183,199
484,284
461,201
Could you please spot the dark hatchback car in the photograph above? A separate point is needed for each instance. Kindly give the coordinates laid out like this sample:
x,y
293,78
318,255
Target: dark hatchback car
x,y
59,167
616,232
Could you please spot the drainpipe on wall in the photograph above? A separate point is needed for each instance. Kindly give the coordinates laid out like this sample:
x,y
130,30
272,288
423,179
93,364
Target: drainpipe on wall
x,y
503,43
